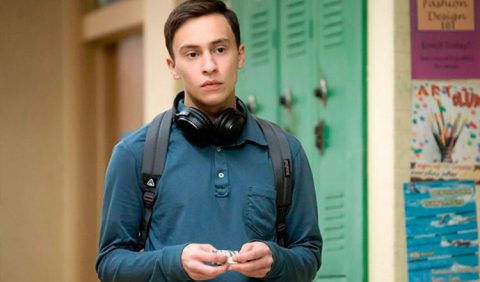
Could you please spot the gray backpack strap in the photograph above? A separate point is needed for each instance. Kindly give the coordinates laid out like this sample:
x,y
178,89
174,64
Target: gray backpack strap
x,y
280,155
154,155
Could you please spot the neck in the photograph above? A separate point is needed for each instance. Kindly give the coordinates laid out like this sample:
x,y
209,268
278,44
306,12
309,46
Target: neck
x,y
211,111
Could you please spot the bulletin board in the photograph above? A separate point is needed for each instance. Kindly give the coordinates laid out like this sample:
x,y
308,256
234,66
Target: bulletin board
x,y
440,201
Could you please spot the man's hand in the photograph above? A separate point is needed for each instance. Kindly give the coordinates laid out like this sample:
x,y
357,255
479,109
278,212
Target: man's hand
x,y
254,260
200,263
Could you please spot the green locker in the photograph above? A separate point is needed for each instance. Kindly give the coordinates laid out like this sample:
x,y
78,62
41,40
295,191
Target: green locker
x,y
306,68
339,43
297,78
257,82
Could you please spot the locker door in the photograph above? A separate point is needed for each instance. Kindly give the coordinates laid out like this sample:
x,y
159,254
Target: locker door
x,y
257,83
296,71
322,48
340,171
321,45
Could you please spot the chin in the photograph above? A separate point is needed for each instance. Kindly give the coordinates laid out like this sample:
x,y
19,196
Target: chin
x,y
214,98
211,98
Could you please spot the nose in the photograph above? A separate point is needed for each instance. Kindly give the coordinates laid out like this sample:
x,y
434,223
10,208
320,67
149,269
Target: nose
x,y
209,64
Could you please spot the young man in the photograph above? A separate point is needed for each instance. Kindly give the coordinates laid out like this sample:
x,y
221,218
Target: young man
x,y
217,191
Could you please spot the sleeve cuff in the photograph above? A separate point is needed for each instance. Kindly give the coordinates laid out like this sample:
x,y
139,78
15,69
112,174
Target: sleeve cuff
x,y
278,260
172,261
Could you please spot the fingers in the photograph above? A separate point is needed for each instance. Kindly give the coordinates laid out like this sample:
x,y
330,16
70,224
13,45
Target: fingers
x,y
254,260
200,263
255,268
197,270
252,251
205,254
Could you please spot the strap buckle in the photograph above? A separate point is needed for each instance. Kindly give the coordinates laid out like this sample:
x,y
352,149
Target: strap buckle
x,y
149,188
148,197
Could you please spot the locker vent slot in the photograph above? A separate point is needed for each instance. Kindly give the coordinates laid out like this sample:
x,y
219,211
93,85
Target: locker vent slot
x,y
333,27
334,229
261,39
296,27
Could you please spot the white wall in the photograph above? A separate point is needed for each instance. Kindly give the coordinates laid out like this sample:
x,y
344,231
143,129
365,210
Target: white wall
x,y
381,162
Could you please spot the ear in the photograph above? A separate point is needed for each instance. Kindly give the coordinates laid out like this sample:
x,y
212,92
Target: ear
x,y
241,56
171,67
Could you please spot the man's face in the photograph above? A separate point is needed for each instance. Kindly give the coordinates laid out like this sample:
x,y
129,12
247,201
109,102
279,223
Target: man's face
x,y
206,60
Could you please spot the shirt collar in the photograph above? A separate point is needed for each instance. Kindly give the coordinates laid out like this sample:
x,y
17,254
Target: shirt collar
x,y
251,132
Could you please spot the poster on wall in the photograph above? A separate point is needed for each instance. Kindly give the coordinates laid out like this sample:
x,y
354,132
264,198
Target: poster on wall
x,y
444,171
445,39
446,125
441,230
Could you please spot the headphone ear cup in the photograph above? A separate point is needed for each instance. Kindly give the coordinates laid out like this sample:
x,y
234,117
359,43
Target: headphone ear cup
x,y
228,126
194,124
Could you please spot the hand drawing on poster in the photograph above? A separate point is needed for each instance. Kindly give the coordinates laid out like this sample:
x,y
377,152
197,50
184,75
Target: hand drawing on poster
x,y
445,122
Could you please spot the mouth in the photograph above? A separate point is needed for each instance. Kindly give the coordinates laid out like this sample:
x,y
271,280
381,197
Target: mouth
x,y
211,84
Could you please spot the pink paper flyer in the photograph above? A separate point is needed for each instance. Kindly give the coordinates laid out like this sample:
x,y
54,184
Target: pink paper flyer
x,y
445,39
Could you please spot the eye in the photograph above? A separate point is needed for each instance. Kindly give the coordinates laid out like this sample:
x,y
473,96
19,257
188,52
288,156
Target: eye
x,y
220,50
191,54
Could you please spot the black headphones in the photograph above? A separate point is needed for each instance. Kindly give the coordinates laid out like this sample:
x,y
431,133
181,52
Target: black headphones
x,y
198,128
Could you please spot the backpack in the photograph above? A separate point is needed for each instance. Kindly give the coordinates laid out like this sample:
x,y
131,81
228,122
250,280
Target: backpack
x,y
155,152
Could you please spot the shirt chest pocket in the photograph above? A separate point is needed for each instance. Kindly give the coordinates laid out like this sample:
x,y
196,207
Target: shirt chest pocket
x,y
261,212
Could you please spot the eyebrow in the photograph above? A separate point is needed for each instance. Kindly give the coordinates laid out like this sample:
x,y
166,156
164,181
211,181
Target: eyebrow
x,y
215,42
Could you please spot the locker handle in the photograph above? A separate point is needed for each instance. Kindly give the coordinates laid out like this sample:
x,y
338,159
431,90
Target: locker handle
x,y
286,99
252,105
321,91
320,136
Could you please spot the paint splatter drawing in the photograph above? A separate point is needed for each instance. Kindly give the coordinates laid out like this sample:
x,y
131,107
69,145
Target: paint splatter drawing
x,y
445,121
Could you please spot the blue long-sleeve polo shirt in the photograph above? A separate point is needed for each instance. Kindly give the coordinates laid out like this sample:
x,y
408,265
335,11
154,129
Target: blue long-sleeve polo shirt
x,y
224,196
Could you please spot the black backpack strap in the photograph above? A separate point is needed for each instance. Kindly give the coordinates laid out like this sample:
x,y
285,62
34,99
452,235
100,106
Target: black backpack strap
x,y
280,155
154,155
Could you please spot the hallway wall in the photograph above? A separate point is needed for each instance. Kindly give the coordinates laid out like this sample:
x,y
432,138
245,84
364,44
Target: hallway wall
x,y
402,135
46,211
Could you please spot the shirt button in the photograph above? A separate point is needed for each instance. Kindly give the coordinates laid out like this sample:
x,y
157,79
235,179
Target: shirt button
x,y
221,175
219,149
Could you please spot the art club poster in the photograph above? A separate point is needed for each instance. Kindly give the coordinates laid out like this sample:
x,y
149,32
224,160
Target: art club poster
x,y
446,124
442,231
445,39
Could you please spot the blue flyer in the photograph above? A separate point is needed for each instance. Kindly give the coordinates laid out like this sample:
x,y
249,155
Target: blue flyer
x,y
442,231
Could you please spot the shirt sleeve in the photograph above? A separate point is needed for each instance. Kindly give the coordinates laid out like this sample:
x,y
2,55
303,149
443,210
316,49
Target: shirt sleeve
x,y
301,258
120,258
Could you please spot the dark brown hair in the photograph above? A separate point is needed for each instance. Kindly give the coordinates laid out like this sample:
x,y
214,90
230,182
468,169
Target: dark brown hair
x,y
196,8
